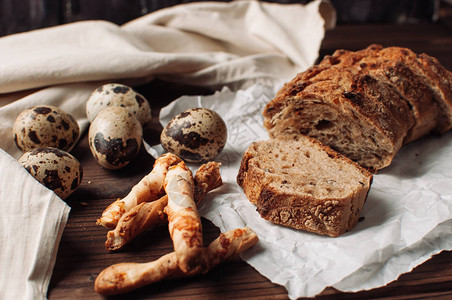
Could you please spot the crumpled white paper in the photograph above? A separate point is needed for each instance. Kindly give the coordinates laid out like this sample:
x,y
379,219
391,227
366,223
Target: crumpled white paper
x,y
407,215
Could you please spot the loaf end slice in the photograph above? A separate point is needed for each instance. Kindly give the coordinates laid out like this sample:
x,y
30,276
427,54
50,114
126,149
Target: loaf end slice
x,y
300,183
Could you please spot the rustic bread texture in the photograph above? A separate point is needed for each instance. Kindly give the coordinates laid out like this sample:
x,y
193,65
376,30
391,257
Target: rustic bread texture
x,y
303,184
365,104
341,110
430,71
428,117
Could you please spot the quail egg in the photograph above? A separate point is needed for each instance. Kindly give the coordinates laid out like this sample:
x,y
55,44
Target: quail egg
x,y
56,169
45,126
196,135
115,137
114,94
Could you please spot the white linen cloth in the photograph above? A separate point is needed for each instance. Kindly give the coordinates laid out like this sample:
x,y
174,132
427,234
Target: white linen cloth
x,y
32,221
210,44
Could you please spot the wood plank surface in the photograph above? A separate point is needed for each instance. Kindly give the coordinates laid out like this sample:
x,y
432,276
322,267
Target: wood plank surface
x,y
82,254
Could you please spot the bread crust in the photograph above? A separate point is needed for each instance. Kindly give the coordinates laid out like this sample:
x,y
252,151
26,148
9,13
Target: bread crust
x,y
425,72
331,213
429,69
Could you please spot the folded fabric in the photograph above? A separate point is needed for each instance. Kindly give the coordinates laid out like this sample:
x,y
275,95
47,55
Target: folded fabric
x,y
32,221
200,43
211,44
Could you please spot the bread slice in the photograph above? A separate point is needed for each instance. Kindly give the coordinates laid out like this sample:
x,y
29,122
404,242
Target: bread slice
x,y
301,183
345,110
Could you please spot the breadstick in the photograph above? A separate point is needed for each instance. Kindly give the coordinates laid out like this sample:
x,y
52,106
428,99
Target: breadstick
x,y
146,216
207,178
125,277
149,188
184,222
228,245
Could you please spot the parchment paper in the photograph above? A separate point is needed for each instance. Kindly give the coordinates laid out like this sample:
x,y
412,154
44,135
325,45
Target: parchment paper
x,y
407,215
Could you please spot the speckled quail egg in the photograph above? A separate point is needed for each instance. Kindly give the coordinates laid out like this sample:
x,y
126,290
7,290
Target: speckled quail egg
x,y
114,94
115,137
45,126
56,169
196,135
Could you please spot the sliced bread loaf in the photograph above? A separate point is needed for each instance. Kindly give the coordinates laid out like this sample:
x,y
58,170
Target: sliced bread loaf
x,y
345,110
365,104
300,183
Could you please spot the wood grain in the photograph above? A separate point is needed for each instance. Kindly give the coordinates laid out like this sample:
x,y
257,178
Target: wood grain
x,y
82,254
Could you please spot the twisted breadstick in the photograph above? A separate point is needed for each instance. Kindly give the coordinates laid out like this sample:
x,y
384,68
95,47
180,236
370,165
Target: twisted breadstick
x,y
146,216
150,188
207,178
184,222
125,277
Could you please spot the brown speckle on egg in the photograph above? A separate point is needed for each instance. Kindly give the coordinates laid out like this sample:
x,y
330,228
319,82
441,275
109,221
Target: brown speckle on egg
x,y
43,110
140,100
116,151
121,89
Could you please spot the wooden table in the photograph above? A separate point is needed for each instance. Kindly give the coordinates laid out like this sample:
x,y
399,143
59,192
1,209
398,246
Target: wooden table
x,y
82,254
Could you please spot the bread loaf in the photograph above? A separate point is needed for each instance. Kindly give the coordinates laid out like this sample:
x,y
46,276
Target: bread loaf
x,y
365,104
300,183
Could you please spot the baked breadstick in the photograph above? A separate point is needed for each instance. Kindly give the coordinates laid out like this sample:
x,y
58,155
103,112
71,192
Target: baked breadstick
x,y
146,216
207,178
184,222
149,188
228,245
142,217
125,277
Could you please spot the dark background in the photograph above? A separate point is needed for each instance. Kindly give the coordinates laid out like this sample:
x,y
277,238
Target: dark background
x,y
24,15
